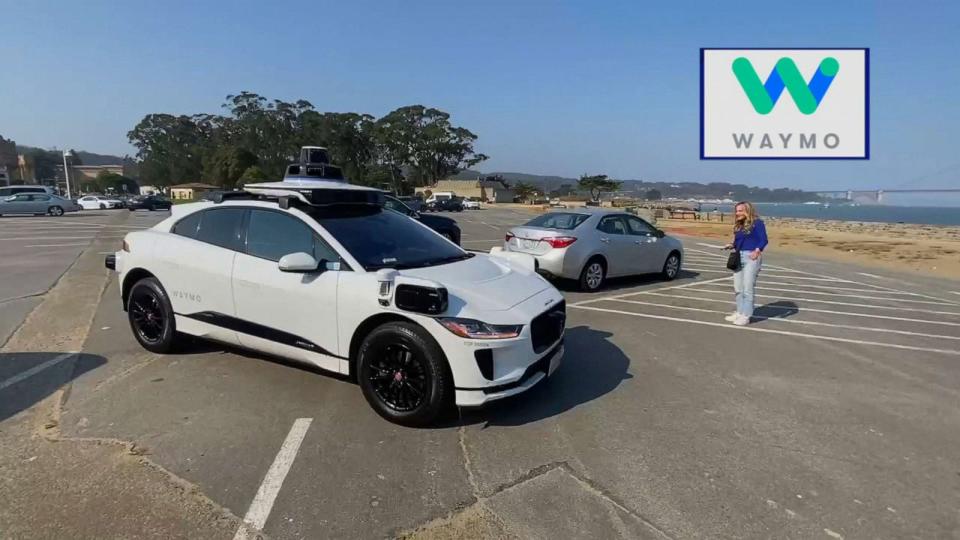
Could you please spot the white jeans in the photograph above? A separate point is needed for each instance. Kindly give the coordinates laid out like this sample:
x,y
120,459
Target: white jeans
x,y
744,281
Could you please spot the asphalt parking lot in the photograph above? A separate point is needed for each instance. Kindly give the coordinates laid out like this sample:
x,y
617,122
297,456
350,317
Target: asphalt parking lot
x,y
834,415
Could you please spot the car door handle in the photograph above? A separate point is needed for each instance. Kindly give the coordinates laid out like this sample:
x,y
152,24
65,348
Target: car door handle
x,y
605,240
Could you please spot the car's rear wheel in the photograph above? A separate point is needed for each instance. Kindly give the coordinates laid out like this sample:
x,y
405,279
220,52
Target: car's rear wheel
x,y
151,316
404,375
671,267
593,275
55,211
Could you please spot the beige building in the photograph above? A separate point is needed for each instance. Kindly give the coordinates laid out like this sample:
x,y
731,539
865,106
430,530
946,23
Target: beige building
x,y
483,190
79,173
190,191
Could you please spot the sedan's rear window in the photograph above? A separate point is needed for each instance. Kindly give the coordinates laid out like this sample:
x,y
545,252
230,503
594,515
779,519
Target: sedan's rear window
x,y
559,220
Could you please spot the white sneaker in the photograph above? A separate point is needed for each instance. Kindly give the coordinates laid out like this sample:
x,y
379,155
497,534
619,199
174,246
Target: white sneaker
x,y
741,320
731,317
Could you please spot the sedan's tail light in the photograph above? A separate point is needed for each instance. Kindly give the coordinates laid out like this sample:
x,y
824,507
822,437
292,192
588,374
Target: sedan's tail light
x,y
560,241
508,237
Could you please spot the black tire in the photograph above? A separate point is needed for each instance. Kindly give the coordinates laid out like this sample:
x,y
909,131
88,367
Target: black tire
x,y
151,317
588,281
671,266
151,208
131,209
103,206
403,374
55,211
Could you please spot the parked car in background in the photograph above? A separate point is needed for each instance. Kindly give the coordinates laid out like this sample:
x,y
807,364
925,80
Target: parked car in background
x,y
443,225
99,202
471,204
149,202
7,191
37,204
453,204
595,244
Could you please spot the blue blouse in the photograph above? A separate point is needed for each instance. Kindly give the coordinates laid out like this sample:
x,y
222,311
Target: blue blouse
x,y
755,239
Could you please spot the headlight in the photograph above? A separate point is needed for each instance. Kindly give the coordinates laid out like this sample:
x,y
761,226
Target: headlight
x,y
471,329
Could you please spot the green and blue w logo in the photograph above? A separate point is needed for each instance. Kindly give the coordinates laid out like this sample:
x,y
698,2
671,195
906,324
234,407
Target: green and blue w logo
x,y
807,96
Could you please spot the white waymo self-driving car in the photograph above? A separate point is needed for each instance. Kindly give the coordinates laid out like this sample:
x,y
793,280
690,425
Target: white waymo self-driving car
x,y
318,271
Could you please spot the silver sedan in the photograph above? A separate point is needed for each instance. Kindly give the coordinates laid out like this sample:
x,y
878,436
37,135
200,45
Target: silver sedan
x,y
591,245
37,203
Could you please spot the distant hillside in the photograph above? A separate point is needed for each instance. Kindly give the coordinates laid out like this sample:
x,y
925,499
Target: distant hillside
x,y
87,158
719,190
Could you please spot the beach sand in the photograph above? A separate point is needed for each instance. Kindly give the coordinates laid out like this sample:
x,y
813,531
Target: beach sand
x,y
923,249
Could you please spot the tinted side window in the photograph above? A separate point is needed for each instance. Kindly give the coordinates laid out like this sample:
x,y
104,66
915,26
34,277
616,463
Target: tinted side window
x,y
188,226
612,225
39,197
271,235
396,206
639,227
221,227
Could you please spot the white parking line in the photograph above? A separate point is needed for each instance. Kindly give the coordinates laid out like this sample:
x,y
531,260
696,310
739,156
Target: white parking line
x,y
54,245
765,288
696,268
871,306
792,321
714,246
833,288
56,238
815,310
34,370
650,291
872,275
772,331
262,503
489,225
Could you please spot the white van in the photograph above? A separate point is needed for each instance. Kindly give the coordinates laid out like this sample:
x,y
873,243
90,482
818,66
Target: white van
x,y
440,196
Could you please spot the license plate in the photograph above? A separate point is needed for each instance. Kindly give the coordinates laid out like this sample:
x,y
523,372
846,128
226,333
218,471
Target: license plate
x,y
529,244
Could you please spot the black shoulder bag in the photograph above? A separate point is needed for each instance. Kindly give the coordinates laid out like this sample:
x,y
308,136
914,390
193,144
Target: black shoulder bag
x,y
733,260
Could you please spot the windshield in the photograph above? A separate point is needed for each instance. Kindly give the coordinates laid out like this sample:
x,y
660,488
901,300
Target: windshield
x,y
379,239
558,220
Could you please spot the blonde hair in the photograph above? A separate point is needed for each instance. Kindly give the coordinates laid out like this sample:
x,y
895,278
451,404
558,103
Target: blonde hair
x,y
752,216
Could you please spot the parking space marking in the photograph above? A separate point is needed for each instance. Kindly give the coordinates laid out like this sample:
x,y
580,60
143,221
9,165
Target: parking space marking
x,y
262,503
763,272
24,375
772,331
681,286
28,238
791,321
871,306
54,245
801,309
763,287
830,287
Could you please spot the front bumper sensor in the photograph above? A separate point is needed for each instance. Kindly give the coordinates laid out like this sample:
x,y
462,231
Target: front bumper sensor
x,y
110,261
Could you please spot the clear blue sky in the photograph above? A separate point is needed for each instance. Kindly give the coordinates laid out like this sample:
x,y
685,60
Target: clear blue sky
x,y
550,87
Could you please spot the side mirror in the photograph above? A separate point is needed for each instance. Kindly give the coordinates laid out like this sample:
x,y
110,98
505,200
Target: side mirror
x,y
298,262
414,214
660,234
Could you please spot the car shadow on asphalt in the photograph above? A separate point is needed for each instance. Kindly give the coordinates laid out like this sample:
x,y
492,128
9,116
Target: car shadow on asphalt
x,y
592,367
30,377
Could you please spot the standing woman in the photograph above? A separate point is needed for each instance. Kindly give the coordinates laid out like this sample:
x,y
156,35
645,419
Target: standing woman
x,y
750,239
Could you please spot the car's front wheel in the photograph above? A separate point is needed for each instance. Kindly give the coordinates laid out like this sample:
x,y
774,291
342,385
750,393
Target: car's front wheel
x,y
404,375
151,316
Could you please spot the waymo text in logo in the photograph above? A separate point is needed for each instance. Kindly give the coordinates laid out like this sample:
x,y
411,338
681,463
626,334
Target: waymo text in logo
x,y
807,107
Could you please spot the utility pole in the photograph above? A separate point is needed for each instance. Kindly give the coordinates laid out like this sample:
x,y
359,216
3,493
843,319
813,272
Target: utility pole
x,y
66,170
